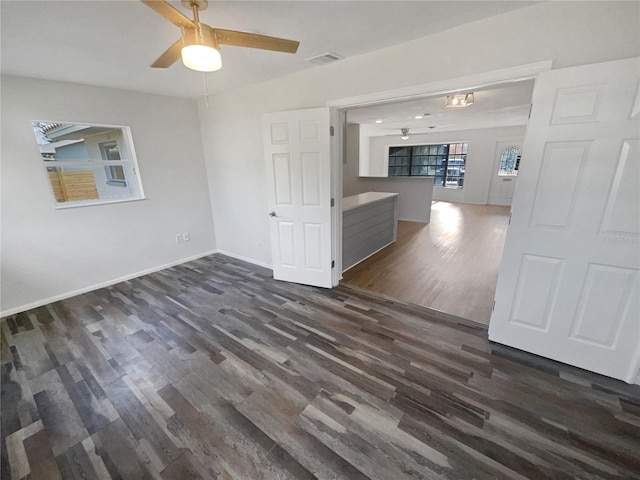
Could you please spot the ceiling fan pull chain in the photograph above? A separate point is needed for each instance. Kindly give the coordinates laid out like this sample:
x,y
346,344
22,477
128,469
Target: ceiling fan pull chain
x,y
206,93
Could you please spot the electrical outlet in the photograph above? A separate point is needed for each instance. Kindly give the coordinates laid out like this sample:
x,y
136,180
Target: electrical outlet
x,y
186,237
179,238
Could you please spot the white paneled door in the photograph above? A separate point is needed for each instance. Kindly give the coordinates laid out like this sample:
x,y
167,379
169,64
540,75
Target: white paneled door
x,y
503,185
569,286
297,154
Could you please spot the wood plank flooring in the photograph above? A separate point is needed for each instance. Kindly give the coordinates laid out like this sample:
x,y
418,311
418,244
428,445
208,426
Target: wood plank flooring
x,y
450,264
213,370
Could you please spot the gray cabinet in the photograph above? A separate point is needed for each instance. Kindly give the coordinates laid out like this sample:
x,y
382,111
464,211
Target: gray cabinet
x,y
369,223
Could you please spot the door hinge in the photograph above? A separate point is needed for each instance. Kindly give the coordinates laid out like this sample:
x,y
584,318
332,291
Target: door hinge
x,y
509,219
331,131
333,202
333,264
530,109
494,306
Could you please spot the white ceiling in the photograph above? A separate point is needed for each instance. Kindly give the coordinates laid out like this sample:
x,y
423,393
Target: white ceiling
x,y
501,105
112,43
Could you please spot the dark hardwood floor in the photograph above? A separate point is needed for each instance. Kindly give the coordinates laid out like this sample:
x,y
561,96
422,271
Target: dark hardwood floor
x,y
213,370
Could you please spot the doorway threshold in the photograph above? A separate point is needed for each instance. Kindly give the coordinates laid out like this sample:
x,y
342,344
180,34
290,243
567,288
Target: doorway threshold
x,y
430,314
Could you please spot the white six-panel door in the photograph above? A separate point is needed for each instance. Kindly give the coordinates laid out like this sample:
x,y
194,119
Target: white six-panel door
x,y
569,286
297,155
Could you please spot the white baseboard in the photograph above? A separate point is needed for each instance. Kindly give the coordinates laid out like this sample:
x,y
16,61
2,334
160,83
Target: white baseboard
x,y
63,296
245,259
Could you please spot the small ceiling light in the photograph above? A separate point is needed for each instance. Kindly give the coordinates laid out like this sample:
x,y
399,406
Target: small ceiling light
x,y
200,49
378,121
201,58
418,117
459,101
405,133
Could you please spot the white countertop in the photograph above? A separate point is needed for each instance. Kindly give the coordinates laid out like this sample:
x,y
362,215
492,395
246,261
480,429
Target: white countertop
x,y
354,201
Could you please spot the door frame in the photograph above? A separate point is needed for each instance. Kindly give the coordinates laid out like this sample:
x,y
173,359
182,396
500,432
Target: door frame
x,y
440,87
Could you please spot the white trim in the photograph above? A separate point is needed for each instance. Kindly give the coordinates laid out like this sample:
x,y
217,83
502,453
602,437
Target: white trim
x,y
337,120
91,203
245,259
634,374
469,82
63,296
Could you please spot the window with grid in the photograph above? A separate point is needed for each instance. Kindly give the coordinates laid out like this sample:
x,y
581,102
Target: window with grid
x,y
510,162
444,161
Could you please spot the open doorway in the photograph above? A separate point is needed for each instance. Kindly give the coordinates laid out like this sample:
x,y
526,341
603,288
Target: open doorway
x,y
447,258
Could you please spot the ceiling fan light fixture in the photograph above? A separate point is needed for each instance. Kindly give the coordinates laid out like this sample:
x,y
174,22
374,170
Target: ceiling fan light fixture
x,y
459,101
200,50
201,58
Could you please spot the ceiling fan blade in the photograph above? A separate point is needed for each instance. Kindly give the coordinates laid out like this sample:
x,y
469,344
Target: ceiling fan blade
x,y
252,40
170,13
170,56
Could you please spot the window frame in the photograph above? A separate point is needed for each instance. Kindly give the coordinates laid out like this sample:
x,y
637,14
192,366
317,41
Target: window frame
x,y
129,164
112,177
450,154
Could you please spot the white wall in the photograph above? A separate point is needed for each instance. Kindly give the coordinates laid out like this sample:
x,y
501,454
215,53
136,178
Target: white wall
x,y
478,168
49,253
569,33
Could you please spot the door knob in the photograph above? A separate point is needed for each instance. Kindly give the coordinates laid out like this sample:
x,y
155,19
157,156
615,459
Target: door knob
x,y
272,214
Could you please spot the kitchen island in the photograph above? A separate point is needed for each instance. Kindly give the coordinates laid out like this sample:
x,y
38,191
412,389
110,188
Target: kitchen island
x,y
369,223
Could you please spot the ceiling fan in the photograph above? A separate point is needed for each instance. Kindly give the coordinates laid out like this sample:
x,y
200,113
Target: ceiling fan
x,y
199,44
406,132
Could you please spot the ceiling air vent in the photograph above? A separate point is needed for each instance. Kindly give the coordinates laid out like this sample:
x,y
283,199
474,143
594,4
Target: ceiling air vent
x,y
325,58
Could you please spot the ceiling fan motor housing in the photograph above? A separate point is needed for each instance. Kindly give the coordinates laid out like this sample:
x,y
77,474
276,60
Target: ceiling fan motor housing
x,y
202,35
